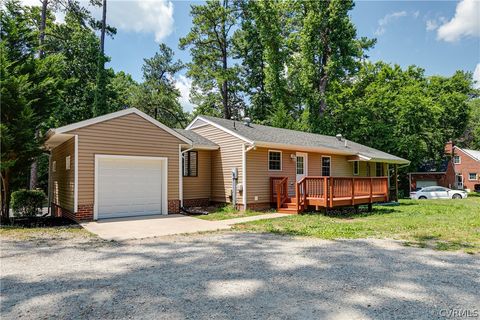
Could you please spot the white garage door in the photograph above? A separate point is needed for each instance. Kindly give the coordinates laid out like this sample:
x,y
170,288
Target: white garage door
x,y
129,186
426,183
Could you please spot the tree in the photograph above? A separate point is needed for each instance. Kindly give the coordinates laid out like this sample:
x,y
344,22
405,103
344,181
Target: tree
x,y
328,50
100,102
157,95
471,137
249,48
29,89
210,42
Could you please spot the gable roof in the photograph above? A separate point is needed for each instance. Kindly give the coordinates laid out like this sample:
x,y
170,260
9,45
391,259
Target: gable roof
x,y
474,154
266,136
198,140
113,115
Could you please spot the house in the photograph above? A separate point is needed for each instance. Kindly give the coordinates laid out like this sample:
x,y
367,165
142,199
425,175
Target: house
x,y
461,171
128,164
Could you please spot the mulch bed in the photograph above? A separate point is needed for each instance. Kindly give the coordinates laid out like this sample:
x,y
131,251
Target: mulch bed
x,y
38,222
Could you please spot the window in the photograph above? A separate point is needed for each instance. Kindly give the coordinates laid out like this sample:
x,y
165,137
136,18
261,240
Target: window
x,y
275,161
300,165
379,169
457,159
355,168
326,162
67,163
472,176
190,164
54,166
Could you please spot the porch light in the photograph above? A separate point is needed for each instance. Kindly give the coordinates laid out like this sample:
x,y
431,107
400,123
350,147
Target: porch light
x,y
293,156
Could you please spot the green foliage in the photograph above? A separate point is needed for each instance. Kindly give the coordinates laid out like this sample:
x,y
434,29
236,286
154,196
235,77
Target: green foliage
x,y
471,137
157,95
27,203
210,42
30,88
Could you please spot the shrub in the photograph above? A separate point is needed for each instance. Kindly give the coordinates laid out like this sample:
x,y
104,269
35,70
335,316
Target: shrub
x,y
27,203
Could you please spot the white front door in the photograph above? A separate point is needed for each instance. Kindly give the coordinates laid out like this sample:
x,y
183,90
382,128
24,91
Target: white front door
x,y
301,165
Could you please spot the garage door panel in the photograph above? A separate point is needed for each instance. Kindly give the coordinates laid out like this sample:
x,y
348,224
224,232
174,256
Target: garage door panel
x,y
129,187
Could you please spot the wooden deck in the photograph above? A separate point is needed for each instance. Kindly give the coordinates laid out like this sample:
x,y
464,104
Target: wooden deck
x,y
327,192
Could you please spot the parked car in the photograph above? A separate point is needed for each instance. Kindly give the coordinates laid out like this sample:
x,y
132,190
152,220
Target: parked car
x,y
437,192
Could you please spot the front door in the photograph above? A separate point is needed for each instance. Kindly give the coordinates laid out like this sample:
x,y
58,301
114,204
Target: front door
x,y
459,179
302,160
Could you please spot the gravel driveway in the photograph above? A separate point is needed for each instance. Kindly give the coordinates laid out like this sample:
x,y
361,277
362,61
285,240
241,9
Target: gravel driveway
x,y
234,276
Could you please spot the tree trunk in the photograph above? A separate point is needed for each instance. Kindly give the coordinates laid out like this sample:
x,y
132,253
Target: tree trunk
x,y
104,22
41,40
226,109
5,196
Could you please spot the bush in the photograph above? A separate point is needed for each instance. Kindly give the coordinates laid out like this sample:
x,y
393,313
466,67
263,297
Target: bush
x,y
27,203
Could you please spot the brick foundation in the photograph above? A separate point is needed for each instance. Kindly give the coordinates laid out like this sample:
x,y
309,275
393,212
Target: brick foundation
x,y
203,202
84,213
173,206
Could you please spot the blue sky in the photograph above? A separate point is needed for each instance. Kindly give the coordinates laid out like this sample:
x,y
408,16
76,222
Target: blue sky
x,y
439,36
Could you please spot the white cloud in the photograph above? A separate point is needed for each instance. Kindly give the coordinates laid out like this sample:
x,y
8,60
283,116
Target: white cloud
x,y
465,23
476,76
184,85
142,16
382,23
416,14
146,16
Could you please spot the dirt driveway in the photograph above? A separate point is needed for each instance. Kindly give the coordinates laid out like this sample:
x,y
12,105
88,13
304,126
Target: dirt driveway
x,y
234,276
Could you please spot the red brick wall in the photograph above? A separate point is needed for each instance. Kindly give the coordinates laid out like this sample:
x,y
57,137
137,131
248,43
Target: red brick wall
x,y
467,165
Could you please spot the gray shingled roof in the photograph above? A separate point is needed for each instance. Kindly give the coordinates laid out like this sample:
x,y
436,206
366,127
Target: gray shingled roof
x,y
260,133
197,139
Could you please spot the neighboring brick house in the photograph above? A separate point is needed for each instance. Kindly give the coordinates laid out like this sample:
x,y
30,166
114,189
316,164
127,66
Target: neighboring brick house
x,y
462,171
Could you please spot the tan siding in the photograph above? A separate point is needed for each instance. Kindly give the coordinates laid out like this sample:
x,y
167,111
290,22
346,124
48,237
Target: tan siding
x,y
129,135
341,167
223,160
62,180
199,187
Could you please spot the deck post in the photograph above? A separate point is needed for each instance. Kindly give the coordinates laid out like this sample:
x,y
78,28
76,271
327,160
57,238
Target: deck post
x,y
331,192
297,193
325,192
396,182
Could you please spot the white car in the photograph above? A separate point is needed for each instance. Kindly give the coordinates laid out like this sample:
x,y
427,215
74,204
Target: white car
x,y
437,192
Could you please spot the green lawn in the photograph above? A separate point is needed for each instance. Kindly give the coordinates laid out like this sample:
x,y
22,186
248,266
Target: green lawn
x,y
439,224
228,212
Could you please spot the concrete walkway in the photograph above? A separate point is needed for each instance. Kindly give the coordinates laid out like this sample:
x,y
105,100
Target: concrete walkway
x,y
157,226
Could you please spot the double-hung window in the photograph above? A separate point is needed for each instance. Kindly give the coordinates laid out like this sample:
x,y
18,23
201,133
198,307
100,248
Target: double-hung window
x,y
274,160
457,160
379,169
190,164
326,163
472,176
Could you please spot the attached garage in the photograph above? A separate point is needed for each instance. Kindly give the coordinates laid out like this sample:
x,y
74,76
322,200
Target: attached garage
x,y
129,186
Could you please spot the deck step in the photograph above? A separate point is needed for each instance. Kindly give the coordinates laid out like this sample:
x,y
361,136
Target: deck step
x,y
287,210
290,205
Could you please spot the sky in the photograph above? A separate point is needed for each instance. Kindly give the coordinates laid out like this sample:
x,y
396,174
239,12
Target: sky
x,y
439,36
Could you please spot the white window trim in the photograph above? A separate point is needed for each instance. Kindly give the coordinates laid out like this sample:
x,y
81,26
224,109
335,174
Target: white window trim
x,y
358,168
476,176
321,166
281,160
164,177
54,166
459,160
68,159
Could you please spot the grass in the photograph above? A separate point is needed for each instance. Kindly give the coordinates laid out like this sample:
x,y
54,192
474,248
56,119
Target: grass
x,y
21,233
438,224
228,212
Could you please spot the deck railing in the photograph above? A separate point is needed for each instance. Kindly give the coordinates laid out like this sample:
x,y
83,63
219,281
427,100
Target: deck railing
x,y
329,192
